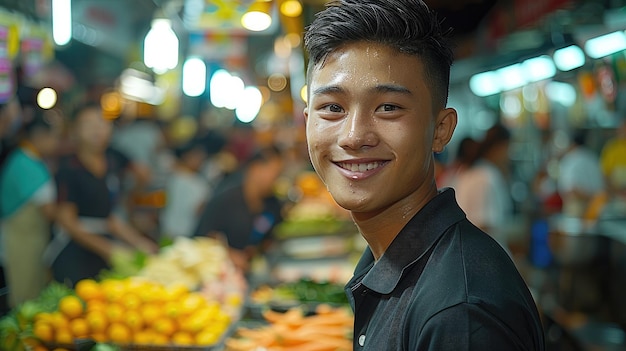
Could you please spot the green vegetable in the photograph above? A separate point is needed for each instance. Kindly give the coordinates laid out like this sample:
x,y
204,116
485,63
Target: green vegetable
x,y
16,326
307,290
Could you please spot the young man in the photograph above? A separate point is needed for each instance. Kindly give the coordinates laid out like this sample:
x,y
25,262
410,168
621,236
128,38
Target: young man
x,y
430,280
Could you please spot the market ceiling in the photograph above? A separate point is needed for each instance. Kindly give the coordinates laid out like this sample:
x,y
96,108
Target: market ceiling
x,y
479,26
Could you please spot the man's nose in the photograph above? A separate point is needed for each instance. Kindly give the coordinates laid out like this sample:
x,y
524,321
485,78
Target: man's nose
x,y
358,131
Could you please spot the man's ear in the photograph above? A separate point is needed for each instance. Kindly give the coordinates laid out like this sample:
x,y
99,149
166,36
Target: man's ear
x,y
306,114
445,123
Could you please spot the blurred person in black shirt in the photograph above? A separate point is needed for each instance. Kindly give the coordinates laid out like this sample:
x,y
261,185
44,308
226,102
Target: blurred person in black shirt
x,y
243,209
88,231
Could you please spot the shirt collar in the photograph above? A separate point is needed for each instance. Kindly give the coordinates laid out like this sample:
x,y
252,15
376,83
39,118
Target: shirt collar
x,y
413,241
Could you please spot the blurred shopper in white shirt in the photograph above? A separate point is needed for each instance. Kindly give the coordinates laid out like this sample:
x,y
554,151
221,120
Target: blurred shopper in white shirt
x,y
580,176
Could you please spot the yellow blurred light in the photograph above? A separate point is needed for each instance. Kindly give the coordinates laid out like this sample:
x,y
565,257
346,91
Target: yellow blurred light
x,y
258,17
282,47
46,98
304,93
293,39
111,104
277,82
291,8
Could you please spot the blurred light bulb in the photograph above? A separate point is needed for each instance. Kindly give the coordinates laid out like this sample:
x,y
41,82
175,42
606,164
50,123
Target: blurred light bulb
x,y
291,8
258,17
46,98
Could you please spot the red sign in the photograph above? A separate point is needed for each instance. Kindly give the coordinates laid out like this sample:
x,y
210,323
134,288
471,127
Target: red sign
x,y
523,13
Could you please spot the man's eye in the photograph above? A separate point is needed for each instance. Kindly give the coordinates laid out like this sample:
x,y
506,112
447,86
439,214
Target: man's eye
x,y
333,108
387,108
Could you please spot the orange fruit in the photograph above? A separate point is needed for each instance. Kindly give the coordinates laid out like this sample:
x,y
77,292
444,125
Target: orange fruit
x,y
93,305
207,337
182,338
63,336
99,337
192,302
59,321
113,290
114,312
150,313
176,291
43,331
160,339
133,320
97,321
88,289
131,301
119,333
143,337
71,306
172,309
79,328
164,326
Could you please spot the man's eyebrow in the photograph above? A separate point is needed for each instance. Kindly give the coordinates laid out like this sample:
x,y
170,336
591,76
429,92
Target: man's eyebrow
x,y
391,88
329,89
380,88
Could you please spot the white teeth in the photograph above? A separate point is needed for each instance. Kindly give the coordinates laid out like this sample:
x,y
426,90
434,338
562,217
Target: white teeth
x,y
360,167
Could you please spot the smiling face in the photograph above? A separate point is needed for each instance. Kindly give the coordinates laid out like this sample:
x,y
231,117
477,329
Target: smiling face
x,y
371,127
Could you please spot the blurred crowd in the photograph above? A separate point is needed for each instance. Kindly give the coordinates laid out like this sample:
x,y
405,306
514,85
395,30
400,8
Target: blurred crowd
x,y
77,187
574,179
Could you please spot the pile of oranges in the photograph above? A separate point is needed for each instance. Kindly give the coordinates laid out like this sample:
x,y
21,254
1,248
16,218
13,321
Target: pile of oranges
x,y
133,311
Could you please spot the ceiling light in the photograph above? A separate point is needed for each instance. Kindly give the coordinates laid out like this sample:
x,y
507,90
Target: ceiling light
x,y
485,84
194,77
249,105
569,58
291,8
605,45
160,51
62,21
258,17
539,68
512,77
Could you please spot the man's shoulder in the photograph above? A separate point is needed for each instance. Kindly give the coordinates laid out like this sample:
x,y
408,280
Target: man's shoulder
x,y
468,266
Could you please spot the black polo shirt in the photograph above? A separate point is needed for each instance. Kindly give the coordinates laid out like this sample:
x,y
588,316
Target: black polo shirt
x,y
442,284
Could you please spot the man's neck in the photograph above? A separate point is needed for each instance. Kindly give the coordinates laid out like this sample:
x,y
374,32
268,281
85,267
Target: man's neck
x,y
381,228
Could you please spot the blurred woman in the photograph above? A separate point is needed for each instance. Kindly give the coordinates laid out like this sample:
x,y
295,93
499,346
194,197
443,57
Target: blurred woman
x,y
27,197
88,229
483,190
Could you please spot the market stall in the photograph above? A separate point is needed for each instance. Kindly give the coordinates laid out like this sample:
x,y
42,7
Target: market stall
x,y
191,296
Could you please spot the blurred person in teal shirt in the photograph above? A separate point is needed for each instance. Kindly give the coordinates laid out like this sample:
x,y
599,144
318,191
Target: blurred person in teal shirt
x,y
27,206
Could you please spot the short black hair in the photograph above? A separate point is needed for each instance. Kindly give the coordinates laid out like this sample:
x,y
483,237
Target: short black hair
x,y
409,26
211,143
264,154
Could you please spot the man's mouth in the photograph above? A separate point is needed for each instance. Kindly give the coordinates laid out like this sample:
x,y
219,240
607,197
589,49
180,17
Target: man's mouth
x,y
361,167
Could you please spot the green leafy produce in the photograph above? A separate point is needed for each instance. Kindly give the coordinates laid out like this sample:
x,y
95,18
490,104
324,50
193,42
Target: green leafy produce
x,y
16,326
307,290
124,264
